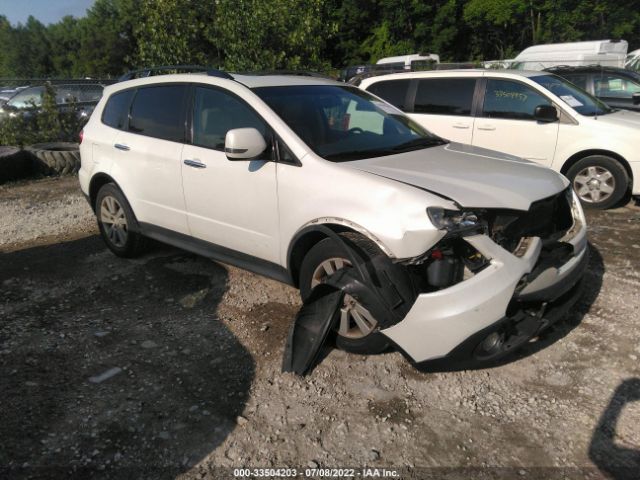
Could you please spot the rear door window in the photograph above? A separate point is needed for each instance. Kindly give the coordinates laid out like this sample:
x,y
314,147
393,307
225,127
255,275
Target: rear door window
x,y
159,112
393,91
445,96
512,100
116,111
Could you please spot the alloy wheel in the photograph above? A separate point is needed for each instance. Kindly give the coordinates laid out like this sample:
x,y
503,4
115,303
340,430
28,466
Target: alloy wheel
x,y
114,221
355,320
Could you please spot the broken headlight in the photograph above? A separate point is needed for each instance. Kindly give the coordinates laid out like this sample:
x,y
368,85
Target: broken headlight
x,y
453,220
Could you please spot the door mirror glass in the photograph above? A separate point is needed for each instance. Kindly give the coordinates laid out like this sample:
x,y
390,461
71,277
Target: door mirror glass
x,y
244,144
636,98
545,113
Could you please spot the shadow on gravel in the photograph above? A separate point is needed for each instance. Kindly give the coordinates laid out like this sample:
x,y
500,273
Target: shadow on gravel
x,y
616,461
113,368
592,285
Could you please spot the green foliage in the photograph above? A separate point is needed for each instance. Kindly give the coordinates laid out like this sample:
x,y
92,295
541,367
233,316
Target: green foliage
x,y
273,34
117,35
176,32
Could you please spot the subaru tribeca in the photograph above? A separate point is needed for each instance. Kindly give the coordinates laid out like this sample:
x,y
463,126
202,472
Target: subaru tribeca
x,y
278,174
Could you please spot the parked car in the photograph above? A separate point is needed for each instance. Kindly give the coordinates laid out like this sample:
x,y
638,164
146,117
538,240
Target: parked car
x,y
7,92
535,115
81,97
617,87
308,180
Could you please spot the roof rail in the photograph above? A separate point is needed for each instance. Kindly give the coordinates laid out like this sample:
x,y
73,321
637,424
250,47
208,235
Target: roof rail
x,y
301,73
150,71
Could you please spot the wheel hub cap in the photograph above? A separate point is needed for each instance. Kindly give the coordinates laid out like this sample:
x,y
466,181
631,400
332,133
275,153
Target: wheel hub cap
x,y
594,184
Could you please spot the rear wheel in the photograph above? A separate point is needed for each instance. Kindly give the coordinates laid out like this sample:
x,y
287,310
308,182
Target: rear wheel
x,y
115,219
599,181
357,329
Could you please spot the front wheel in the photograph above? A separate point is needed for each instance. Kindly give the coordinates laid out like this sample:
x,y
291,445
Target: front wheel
x,y
357,329
599,181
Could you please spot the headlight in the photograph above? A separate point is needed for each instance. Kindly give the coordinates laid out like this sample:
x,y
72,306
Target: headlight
x,y
452,220
579,220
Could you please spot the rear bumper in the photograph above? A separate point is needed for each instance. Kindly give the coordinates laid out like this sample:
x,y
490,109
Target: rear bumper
x,y
443,323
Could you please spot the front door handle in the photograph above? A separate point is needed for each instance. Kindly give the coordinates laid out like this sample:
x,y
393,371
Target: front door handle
x,y
486,127
461,125
121,146
194,164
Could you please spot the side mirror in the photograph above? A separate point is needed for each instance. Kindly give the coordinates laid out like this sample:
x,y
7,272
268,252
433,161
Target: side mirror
x,y
636,98
545,113
244,144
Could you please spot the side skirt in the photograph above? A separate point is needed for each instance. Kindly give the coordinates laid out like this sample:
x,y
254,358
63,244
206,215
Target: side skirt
x,y
217,252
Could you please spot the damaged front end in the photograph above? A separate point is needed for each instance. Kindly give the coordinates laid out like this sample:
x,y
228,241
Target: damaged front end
x,y
487,289
496,279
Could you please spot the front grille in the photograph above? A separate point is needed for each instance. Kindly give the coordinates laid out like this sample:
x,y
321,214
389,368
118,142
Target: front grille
x,y
549,219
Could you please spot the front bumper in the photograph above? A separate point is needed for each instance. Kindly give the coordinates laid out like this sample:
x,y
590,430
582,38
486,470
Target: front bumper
x,y
441,323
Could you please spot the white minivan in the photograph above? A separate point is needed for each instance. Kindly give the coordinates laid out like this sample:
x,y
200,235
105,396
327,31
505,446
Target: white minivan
x,y
534,115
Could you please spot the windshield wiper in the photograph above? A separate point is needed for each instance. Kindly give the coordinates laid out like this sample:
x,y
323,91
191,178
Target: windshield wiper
x,y
358,154
418,143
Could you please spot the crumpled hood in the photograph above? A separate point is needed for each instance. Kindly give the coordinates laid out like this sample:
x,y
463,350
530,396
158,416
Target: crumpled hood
x,y
470,176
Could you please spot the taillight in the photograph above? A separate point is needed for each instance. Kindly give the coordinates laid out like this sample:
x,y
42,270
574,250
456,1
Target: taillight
x,y
81,136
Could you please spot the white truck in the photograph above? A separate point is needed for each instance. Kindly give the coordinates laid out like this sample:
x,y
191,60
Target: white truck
x,y
610,53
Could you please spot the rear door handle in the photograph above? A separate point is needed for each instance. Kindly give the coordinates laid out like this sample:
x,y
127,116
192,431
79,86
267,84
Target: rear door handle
x,y
461,125
486,127
121,146
194,164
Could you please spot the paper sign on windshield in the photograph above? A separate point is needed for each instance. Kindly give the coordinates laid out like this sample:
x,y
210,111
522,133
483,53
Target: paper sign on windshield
x,y
571,100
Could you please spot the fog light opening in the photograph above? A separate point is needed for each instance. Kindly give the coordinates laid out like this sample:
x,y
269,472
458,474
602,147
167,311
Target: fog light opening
x,y
491,345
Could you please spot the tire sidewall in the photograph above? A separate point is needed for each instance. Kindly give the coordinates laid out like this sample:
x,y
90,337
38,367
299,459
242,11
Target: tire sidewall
x,y
614,167
373,343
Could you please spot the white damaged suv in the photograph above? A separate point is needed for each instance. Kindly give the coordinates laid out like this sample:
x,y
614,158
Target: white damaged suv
x,y
464,253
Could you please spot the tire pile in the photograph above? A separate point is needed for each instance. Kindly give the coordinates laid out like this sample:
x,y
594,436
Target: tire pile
x,y
43,159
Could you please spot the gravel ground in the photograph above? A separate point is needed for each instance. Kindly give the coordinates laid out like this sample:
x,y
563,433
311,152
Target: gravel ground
x,y
169,366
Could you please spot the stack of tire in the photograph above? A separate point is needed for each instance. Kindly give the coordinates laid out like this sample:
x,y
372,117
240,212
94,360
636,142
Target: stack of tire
x,y
42,159
60,158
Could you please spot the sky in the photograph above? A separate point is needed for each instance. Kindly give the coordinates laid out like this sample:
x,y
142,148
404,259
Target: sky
x,y
47,11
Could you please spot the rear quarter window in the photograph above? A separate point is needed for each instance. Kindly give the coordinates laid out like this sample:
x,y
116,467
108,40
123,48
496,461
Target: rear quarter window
x,y
393,91
445,96
116,111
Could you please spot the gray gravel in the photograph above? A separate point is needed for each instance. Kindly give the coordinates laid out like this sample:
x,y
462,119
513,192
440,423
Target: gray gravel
x,y
200,386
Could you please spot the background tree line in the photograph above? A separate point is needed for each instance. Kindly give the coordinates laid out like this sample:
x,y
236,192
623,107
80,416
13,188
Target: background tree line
x,y
117,35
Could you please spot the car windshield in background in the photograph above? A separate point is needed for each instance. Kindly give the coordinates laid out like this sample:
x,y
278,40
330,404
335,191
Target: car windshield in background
x,y
578,99
344,123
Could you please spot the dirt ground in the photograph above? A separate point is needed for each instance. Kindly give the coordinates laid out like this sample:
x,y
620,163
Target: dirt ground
x,y
168,366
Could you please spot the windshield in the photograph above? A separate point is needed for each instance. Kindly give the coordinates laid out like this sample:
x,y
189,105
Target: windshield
x,y
345,123
29,97
575,97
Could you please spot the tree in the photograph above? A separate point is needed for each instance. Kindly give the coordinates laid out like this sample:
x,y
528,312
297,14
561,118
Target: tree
x,y
174,32
64,40
107,41
272,34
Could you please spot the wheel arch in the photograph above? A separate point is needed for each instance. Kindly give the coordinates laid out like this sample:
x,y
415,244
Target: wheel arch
x,y
97,182
307,237
576,157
